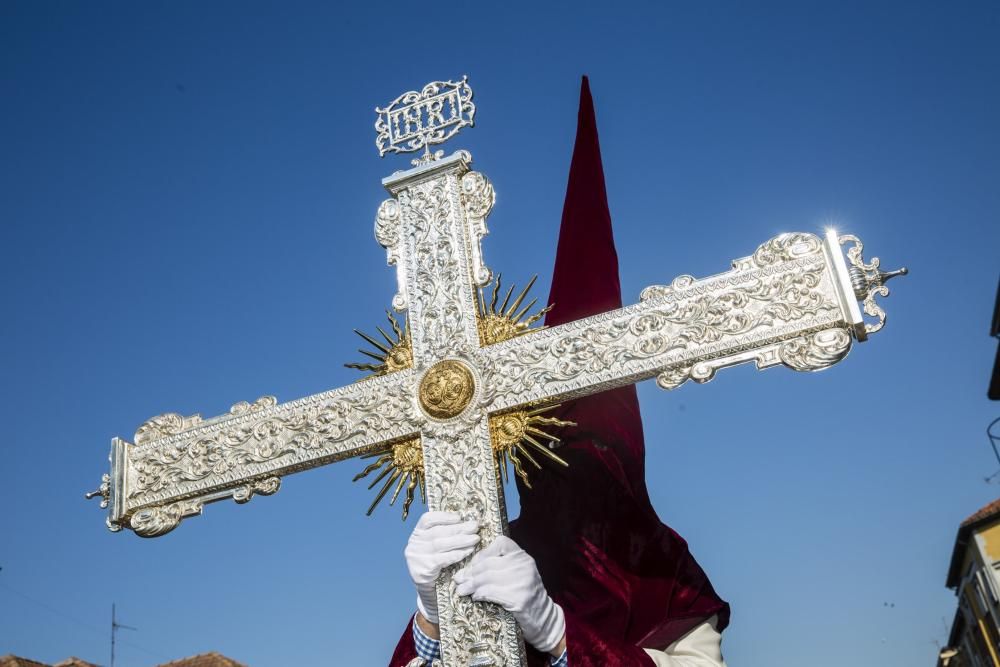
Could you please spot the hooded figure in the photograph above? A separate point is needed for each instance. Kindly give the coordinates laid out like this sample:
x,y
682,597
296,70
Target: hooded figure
x,y
592,575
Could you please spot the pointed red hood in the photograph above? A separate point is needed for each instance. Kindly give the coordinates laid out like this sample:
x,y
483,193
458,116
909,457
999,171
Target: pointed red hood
x,y
603,553
584,283
585,278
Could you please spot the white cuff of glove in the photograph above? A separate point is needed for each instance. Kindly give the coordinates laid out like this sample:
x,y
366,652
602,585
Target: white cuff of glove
x,y
550,628
428,609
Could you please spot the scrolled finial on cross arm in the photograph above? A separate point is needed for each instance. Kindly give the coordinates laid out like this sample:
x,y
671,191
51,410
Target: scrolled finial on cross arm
x,y
868,280
421,119
103,492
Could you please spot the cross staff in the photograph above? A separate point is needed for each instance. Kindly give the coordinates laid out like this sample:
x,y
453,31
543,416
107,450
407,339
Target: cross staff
x,y
465,375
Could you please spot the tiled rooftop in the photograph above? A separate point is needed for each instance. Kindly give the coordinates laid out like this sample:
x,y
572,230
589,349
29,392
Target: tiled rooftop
x,y
211,659
984,512
15,661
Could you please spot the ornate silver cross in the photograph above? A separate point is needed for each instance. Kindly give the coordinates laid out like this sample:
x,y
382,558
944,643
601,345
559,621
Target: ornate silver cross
x,y
465,380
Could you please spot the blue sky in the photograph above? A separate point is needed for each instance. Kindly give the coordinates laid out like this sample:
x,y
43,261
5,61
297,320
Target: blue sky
x,y
186,201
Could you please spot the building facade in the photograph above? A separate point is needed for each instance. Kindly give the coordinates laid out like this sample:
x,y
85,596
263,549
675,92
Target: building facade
x,y
974,575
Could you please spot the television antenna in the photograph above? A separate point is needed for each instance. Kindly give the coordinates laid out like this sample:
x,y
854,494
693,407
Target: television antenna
x,y
115,625
994,439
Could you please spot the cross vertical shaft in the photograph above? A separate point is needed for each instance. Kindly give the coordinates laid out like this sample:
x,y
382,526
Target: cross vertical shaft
x,y
431,229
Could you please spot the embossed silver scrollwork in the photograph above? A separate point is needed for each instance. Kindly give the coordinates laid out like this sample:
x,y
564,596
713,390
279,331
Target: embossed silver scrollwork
x,y
271,439
164,425
673,377
156,521
690,321
387,234
660,291
816,351
442,221
868,281
460,469
868,287
787,247
261,487
478,198
419,119
244,407
442,313
871,308
812,352
687,330
781,249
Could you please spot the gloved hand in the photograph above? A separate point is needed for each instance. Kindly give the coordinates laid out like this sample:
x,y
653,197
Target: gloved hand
x,y
505,574
439,539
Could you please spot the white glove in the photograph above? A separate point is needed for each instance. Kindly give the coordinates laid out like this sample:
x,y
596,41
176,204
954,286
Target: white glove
x,y
505,574
439,539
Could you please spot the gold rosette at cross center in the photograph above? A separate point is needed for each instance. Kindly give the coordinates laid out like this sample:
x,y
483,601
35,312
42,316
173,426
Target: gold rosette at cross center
x,y
447,388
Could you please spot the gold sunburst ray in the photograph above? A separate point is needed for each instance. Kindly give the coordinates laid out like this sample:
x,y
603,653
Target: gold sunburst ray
x,y
403,464
512,435
502,322
392,355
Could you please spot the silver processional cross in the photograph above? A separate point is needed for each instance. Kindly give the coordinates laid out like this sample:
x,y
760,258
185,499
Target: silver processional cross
x,y
463,385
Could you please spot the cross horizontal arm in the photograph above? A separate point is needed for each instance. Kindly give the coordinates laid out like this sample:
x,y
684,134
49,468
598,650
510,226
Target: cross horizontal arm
x,y
790,303
177,464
